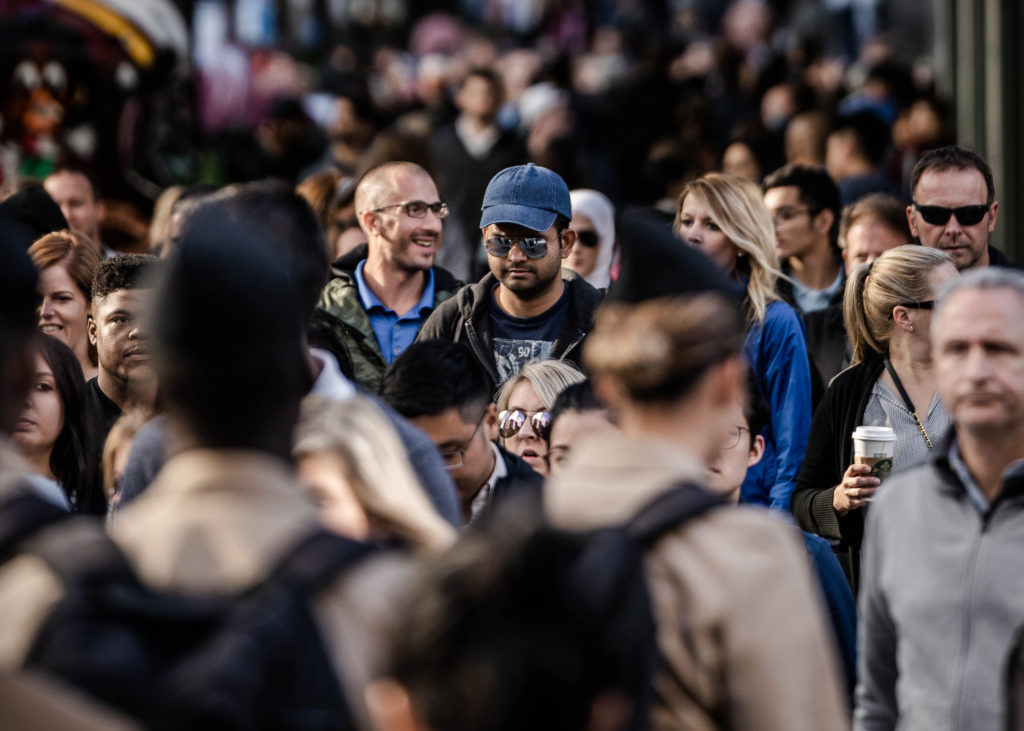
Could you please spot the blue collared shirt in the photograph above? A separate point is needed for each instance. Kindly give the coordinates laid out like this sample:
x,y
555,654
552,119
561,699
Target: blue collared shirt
x,y
394,332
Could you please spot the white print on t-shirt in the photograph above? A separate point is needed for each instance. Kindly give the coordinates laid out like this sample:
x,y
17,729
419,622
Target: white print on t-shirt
x,y
511,355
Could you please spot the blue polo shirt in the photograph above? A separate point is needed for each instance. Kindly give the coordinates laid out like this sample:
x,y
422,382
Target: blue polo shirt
x,y
394,332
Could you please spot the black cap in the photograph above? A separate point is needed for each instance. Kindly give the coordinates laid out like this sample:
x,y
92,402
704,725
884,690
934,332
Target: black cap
x,y
36,211
655,263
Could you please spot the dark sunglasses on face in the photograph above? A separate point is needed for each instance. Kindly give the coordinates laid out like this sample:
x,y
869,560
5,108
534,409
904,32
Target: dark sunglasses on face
x,y
417,209
587,238
535,247
965,215
511,421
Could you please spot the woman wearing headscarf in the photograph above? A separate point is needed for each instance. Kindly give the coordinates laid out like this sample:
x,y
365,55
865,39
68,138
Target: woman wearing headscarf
x,y
593,220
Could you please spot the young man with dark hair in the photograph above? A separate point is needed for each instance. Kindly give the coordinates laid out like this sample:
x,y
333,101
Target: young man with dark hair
x,y
441,388
467,153
576,414
527,307
121,288
804,203
855,151
953,206
381,294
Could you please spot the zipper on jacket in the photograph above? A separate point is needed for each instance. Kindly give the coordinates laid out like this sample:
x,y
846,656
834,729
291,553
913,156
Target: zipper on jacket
x,y
967,614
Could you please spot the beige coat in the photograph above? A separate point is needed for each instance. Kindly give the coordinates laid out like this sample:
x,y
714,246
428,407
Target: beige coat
x,y
216,522
743,637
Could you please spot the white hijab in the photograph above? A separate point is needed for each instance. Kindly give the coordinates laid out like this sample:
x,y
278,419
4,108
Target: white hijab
x,y
595,206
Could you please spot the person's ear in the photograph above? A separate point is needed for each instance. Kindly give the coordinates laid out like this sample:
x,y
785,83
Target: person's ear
x,y
912,223
756,451
90,328
823,221
390,707
992,216
369,222
567,242
490,427
901,316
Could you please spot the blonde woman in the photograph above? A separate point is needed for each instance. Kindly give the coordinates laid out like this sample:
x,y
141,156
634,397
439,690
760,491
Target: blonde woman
x,y
356,469
726,218
887,308
524,408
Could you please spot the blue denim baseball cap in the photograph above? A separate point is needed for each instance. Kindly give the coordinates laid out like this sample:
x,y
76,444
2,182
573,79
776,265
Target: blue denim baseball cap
x,y
526,195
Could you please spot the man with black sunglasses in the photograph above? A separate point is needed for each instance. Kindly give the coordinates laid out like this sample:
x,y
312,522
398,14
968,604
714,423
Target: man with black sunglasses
x,y
528,307
954,207
381,293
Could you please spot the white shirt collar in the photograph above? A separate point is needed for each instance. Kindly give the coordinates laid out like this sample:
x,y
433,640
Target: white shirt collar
x,y
483,498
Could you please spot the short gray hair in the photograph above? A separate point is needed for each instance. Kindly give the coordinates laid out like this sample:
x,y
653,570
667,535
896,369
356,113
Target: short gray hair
x,y
984,278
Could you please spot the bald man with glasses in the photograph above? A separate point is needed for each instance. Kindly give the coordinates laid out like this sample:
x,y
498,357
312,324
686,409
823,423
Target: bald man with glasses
x,y
382,293
527,307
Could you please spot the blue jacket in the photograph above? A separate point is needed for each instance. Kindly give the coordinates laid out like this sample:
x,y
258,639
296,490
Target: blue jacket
x,y
776,352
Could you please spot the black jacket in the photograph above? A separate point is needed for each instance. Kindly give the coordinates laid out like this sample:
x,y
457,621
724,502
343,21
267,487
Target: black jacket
x,y
996,258
829,452
826,332
466,318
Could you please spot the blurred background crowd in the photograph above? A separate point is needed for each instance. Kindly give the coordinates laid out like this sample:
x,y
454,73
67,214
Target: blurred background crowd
x,y
629,97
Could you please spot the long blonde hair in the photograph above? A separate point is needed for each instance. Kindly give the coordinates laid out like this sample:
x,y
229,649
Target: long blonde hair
x,y
359,433
738,208
898,276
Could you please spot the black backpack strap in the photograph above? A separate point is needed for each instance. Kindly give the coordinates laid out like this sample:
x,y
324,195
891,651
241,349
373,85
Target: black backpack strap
x,y
670,509
24,514
318,558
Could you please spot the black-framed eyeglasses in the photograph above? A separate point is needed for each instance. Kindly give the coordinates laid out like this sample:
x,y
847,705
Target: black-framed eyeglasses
x,y
925,305
733,436
455,458
417,209
511,421
535,247
965,215
587,238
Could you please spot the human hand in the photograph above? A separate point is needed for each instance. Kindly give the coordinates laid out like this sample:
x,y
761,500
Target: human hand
x,y
855,490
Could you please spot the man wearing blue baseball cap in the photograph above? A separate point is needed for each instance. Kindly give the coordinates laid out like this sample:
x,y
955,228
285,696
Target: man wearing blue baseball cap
x,y
527,307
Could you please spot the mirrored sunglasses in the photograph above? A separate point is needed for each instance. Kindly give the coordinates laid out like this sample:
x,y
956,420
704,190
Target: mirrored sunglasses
x,y
535,247
511,421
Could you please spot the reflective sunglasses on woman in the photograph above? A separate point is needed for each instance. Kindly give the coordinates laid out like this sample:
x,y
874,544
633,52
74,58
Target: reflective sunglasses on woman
x,y
511,421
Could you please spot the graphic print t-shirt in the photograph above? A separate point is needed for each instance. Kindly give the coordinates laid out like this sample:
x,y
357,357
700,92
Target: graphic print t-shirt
x,y
518,340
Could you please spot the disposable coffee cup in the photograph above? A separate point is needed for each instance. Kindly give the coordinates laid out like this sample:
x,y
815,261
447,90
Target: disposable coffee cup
x,y
874,446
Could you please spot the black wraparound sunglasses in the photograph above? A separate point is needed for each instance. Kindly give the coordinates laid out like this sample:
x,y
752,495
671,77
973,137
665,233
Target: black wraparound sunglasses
x,y
965,215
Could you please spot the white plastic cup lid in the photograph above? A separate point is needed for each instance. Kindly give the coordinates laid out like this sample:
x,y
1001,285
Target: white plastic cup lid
x,y
875,433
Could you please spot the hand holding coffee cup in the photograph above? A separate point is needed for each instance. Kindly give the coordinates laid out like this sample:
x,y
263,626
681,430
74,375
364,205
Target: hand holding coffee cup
x,y
855,490
873,448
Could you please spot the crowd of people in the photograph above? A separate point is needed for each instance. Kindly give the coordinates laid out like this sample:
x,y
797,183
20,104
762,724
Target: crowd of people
x,y
443,435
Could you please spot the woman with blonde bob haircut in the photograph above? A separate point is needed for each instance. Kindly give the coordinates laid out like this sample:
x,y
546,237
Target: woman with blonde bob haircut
x,y
731,589
887,308
524,408
725,217
357,470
